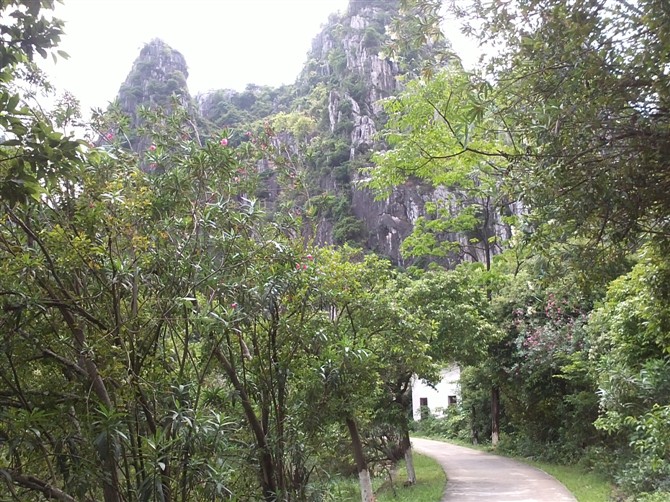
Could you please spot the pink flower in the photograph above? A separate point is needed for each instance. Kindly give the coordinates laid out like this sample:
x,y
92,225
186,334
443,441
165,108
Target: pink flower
x,y
297,266
109,136
304,266
224,142
249,134
233,305
153,165
152,148
310,257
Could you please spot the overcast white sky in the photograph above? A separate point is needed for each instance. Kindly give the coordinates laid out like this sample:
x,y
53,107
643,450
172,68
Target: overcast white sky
x,y
226,43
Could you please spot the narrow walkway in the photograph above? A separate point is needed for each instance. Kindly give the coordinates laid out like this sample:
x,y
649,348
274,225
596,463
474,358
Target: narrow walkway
x,y
474,475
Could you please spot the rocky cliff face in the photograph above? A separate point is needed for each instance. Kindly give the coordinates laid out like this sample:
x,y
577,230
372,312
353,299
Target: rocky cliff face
x,y
157,79
346,57
158,73
329,118
347,54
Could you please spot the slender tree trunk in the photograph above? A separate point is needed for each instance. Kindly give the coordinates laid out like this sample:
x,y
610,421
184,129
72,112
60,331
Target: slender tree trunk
x,y
474,433
495,416
367,495
64,301
409,458
495,391
110,482
36,484
268,482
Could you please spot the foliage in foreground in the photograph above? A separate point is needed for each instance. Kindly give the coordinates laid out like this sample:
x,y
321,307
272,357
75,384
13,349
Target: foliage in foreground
x,y
164,340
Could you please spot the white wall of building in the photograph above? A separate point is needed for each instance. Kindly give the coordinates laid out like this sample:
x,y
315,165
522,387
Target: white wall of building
x,y
437,398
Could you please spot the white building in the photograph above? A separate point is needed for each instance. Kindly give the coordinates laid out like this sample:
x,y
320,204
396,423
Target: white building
x,y
445,393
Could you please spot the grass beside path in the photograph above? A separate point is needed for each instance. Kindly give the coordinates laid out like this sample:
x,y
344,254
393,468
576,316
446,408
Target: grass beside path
x,y
429,487
585,486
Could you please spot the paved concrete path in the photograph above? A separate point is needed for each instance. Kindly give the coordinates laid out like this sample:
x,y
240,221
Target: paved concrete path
x,y
474,475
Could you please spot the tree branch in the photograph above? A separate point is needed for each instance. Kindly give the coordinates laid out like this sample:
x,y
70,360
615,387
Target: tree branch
x,y
36,484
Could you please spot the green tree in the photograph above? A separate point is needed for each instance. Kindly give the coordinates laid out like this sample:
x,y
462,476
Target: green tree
x,y
372,345
349,368
32,153
459,305
584,90
441,132
445,131
105,362
631,343
404,354
542,363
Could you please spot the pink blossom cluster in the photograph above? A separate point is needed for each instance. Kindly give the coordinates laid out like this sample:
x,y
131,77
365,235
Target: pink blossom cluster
x,y
533,340
303,266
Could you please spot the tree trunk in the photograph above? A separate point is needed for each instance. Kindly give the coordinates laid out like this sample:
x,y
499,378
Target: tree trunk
x,y
409,459
267,466
367,495
110,481
495,416
495,392
474,433
36,484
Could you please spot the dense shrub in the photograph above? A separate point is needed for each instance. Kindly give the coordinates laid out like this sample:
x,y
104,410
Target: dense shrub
x,y
453,425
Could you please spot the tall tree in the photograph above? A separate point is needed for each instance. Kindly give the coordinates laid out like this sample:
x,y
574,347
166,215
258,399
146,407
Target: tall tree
x,y
32,153
102,288
584,89
441,132
446,131
630,337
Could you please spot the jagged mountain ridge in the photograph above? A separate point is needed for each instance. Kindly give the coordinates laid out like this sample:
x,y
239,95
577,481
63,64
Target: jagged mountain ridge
x,y
338,93
158,73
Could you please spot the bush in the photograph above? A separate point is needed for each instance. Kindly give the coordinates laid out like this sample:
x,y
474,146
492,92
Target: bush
x,y
372,39
454,425
348,229
653,497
